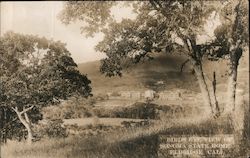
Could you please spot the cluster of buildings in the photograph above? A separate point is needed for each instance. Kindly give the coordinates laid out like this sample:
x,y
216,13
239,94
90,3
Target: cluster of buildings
x,y
177,94
148,94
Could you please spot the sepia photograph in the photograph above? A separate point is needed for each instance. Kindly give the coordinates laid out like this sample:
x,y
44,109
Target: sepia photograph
x,y
124,79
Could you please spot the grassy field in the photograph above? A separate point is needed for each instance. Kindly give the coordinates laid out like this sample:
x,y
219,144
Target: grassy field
x,y
119,143
141,142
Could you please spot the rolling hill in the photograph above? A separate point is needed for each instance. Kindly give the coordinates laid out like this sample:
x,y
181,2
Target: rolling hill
x,y
163,69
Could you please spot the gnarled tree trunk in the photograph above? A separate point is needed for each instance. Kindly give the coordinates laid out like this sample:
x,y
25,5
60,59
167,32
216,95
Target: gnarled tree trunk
x,y
195,57
232,80
235,114
202,84
27,124
231,91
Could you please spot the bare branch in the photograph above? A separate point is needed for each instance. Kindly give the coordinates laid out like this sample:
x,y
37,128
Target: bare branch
x,y
184,40
25,110
15,109
26,118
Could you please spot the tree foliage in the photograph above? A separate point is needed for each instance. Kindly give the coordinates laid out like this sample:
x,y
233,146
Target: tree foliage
x,y
95,13
36,72
43,71
155,29
234,30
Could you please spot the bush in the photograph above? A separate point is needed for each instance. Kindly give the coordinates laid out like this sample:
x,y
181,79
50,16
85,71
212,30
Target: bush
x,y
130,124
90,129
141,110
138,110
73,108
51,129
55,129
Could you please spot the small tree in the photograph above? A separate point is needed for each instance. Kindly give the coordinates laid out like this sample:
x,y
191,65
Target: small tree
x,y
36,72
237,35
231,41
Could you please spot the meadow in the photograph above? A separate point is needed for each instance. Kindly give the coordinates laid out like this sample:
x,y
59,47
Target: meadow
x,y
131,142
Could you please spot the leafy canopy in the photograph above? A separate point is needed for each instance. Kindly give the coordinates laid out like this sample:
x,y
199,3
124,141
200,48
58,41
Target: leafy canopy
x,y
37,72
157,28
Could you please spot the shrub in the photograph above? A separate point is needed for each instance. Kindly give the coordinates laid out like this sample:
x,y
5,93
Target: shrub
x,y
90,130
73,108
138,110
51,129
129,124
55,129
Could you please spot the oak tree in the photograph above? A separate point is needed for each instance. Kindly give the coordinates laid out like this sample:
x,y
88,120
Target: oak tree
x,y
159,27
36,72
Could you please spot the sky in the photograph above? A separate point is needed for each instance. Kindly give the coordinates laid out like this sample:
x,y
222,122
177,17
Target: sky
x,y
40,18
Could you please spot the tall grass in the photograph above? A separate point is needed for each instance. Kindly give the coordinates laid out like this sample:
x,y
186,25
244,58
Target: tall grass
x,y
132,142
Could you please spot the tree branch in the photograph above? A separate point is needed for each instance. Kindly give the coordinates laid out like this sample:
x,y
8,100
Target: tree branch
x,y
26,118
184,40
25,110
15,109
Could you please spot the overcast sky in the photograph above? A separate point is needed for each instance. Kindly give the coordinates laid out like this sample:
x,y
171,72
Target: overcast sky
x,y
40,18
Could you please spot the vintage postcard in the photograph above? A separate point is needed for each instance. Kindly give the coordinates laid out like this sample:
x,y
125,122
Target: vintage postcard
x,y
124,79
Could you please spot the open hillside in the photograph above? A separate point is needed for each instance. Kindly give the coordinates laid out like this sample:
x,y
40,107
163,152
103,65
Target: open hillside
x,y
164,69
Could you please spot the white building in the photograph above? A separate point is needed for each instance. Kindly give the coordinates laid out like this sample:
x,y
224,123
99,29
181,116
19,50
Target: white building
x,y
170,95
149,94
125,94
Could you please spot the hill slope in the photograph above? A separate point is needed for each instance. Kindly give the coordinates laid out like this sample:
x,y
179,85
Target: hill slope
x,y
145,75
164,68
